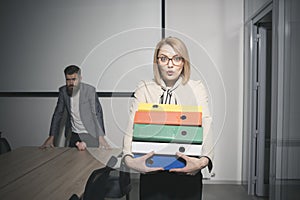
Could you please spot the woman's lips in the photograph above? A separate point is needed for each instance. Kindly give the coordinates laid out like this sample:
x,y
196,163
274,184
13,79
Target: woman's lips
x,y
170,73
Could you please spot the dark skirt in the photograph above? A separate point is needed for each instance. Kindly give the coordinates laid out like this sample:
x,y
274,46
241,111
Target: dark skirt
x,y
165,185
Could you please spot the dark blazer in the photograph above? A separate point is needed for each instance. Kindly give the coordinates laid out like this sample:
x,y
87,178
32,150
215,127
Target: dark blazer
x,y
90,109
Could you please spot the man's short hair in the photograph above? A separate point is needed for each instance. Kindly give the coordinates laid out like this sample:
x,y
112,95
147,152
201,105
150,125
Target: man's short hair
x,y
72,69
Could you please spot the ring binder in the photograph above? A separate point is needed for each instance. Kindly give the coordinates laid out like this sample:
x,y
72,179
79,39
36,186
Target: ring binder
x,y
165,161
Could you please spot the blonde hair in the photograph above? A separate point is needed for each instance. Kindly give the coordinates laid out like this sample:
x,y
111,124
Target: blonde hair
x,y
180,48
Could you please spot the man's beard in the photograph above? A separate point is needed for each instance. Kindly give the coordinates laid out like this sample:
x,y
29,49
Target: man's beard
x,y
72,90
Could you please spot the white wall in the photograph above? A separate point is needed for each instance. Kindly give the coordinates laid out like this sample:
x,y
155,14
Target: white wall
x,y
40,37
213,32
25,121
112,41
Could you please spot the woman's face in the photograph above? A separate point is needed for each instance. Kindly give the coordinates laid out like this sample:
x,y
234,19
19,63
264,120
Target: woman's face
x,y
170,65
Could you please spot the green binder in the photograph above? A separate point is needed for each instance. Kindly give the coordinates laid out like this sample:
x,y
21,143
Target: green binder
x,y
168,133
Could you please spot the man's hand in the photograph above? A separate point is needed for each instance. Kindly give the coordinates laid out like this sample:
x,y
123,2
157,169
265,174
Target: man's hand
x,y
103,143
81,146
48,143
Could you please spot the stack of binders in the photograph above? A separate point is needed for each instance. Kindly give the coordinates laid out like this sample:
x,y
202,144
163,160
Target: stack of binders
x,y
167,129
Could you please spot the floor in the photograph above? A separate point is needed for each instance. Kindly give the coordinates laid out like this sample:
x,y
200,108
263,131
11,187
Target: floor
x,y
210,192
226,191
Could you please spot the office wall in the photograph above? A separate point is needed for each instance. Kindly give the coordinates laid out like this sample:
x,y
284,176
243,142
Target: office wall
x,y
291,109
213,32
26,121
40,37
110,39
284,160
286,145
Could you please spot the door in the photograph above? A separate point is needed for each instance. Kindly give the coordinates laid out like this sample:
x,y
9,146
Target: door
x,y
261,109
262,121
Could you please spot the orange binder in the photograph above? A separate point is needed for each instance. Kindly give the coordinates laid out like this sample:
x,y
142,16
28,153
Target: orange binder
x,y
168,118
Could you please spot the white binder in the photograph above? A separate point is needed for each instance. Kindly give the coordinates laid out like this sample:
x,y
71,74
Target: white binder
x,y
163,148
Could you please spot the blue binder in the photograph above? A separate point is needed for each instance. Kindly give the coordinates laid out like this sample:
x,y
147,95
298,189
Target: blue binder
x,y
165,161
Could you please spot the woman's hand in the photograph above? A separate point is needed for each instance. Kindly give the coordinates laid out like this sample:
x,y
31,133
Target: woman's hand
x,y
193,165
139,164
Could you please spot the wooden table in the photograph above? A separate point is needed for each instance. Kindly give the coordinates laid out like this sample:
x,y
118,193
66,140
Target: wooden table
x,y
53,173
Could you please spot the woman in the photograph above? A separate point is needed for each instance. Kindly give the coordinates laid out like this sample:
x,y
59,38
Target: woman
x,y
171,85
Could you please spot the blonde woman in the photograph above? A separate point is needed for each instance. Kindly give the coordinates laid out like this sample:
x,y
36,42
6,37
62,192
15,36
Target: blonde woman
x,y
171,85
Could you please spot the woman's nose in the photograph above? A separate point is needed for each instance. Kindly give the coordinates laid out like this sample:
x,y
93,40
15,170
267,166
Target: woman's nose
x,y
170,63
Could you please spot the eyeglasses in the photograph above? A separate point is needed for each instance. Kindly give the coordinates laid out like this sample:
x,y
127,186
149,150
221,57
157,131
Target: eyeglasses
x,y
164,60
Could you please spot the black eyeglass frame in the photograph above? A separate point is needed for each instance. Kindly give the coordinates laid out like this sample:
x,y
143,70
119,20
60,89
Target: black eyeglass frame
x,y
172,59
